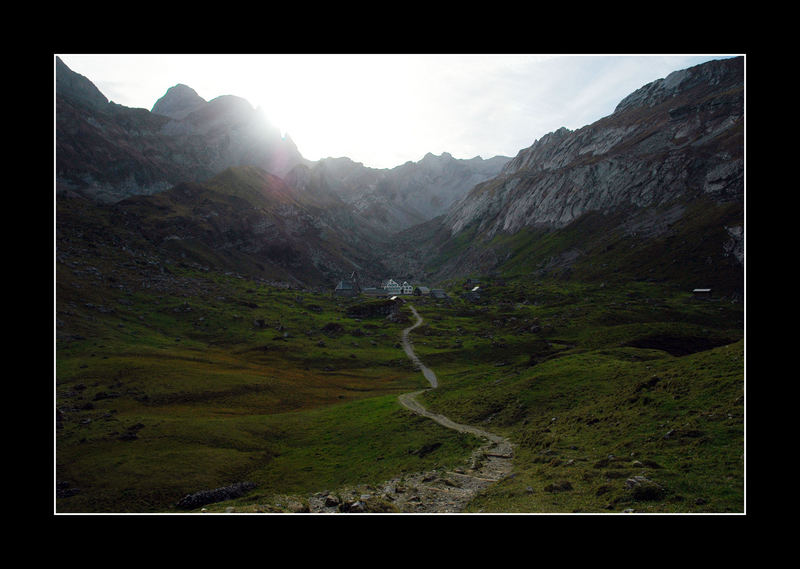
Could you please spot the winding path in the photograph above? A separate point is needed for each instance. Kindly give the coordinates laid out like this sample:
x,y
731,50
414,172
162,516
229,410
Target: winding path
x,y
491,462
409,400
434,491
427,372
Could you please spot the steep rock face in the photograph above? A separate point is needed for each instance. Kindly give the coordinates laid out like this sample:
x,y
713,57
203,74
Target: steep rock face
x,y
108,152
677,138
398,198
435,183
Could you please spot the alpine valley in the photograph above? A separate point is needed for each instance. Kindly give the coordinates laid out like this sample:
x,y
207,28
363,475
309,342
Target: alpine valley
x,y
233,332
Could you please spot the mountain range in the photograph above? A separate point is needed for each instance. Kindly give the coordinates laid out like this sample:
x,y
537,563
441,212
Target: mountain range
x,y
654,191
108,152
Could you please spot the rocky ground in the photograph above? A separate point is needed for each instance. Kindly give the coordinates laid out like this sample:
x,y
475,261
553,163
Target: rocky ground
x,y
435,491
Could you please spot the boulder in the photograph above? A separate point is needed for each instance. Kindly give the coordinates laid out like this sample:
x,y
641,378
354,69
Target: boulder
x,y
642,488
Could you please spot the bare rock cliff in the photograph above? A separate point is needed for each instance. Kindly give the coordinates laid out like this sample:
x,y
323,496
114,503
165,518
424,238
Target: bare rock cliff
x,y
674,139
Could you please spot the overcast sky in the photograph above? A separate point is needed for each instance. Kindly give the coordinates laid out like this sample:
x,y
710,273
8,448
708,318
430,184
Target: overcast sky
x,y
386,109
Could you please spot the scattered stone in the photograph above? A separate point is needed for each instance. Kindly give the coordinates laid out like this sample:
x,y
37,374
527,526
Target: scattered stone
x,y
357,507
297,507
643,488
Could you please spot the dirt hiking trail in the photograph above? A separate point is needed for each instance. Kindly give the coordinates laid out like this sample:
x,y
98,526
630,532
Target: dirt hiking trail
x,y
490,463
435,491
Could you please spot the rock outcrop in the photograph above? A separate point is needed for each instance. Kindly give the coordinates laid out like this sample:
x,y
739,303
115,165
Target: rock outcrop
x,y
676,138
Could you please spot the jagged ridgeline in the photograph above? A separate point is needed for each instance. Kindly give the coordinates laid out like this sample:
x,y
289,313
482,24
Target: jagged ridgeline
x,y
204,361
653,191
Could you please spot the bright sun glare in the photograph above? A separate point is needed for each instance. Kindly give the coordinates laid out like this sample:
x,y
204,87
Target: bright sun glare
x,y
333,102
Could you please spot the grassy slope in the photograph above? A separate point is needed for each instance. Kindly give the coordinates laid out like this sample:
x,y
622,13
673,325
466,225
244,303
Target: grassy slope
x,y
171,379
596,247
204,380
611,384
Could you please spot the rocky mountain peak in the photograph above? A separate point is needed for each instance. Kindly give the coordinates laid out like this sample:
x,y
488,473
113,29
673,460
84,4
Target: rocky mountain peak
x,y
77,88
677,138
108,152
431,157
539,153
708,74
178,102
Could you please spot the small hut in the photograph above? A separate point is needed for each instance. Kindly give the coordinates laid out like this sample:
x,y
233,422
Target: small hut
x,y
349,286
345,288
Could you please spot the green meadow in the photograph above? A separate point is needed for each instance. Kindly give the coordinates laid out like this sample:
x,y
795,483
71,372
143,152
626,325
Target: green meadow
x,y
160,396
598,386
215,380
